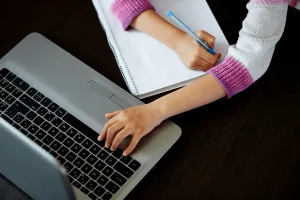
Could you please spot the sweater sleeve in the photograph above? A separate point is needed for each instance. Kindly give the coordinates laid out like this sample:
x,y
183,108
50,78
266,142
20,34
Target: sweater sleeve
x,y
250,57
127,10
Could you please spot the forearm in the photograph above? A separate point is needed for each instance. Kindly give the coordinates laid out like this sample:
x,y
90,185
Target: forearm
x,y
201,92
154,25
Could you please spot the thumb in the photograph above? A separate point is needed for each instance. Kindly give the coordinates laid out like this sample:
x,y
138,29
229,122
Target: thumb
x,y
206,37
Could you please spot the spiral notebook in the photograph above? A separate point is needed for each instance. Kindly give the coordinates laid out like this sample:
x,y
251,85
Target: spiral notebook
x,y
148,66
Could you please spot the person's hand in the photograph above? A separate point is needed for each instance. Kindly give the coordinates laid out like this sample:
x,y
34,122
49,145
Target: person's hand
x,y
136,122
193,55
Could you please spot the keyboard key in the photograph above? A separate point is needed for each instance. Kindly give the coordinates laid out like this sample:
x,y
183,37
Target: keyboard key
x,y
56,121
24,131
95,149
53,153
3,94
117,178
31,137
78,162
117,153
11,76
108,171
111,161
55,145
71,132
63,151
61,160
38,121
48,140
10,99
68,166
76,184
46,126
84,190
3,106
31,91
92,196
60,137
21,84
86,168
40,95
49,116
107,150
126,159
7,119
60,112
33,129
91,185
10,88
79,137
3,83
3,73
37,98
76,148
64,127
94,174
40,134
83,179
38,142
75,173
25,123
46,101
99,191
102,180
29,102
84,154
87,143
31,115
113,188
71,157
20,107
73,121
122,169
11,112
99,165
46,148
134,165
17,93
53,131
42,111
91,159
53,107
107,196
68,142
16,126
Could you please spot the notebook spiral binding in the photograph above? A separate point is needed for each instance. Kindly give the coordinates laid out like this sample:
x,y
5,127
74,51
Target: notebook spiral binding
x,y
131,85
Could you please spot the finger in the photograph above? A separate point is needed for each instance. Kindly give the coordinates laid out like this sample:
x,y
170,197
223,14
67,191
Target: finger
x,y
111,115
106,126
208,38
134,141
111,132
119,138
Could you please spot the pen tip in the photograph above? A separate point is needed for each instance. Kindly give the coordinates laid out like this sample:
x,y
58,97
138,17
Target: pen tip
x,y
169,13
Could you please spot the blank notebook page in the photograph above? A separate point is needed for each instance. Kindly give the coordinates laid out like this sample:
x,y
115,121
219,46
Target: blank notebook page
x,y
148,66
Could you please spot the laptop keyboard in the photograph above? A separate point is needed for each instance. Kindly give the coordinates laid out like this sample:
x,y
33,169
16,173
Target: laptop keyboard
x,y
92,168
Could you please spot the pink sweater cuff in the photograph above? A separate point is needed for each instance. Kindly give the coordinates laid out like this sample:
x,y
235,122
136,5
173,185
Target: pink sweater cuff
x,y
232,75
127,10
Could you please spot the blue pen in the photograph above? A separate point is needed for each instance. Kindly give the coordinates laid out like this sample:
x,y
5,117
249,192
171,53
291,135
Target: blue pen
x,y
191,33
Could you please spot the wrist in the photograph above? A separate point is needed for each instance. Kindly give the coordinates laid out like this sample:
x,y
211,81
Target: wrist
x,y
176,39
160,109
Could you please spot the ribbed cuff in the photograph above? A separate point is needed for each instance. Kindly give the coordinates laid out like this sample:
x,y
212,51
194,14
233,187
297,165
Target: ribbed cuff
x,y
232,75
127,10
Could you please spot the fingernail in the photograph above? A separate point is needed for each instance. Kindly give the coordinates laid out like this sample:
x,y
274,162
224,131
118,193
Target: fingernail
x,y
99,138
112,149
124,153
106,145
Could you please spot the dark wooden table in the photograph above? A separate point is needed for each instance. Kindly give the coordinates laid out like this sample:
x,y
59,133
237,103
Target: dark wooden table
x,y
247,147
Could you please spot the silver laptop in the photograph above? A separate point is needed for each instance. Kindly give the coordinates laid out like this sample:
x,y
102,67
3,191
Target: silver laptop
x,y
52,108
